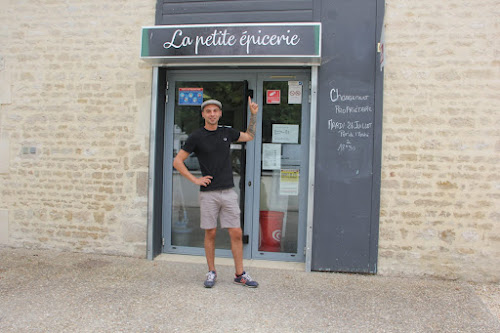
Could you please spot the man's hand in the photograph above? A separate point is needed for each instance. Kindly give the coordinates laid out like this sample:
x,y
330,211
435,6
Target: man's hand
x,y
254,107
181,167
203,181
250,133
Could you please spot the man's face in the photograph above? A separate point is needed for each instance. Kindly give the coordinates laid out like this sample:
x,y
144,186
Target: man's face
x,y
211,113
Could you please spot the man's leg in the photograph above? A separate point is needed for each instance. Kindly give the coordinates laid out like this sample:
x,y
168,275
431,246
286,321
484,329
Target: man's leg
x,y
242,277
210,248
209,209
237,248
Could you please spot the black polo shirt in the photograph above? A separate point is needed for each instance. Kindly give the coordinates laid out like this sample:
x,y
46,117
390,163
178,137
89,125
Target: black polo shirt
x,y
213,149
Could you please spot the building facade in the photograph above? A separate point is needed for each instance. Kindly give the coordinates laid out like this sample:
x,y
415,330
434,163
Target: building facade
x,y
86,135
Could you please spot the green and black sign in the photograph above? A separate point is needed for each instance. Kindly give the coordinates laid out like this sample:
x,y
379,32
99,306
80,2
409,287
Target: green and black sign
x,y
298,40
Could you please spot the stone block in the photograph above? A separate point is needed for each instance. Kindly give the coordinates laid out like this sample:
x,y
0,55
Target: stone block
x,y
142,184
4,226
5,86
4,155
134,232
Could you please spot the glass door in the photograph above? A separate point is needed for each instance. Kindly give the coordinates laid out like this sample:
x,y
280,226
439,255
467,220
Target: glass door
x,y
280,196
186,92
270,172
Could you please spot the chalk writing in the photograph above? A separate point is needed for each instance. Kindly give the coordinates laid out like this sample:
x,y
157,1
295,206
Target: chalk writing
x,y
347,146
358,125
336,96
351,133
335,125
352,109
350,125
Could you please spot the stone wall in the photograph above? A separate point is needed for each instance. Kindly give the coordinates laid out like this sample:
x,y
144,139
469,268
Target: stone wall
x,y
74,132
74,123
440,208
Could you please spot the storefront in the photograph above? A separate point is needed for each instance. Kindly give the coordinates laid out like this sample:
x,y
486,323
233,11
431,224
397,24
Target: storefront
x,y
309,184
84,156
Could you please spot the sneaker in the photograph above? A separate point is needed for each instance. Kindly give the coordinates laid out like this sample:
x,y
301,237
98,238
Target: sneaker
x,y
211,278
246,280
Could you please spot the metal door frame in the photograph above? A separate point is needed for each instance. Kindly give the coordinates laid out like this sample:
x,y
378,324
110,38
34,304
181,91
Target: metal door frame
x,y
281,75
198,75
168,165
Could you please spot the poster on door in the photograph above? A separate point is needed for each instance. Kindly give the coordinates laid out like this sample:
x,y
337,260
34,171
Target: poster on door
x,y
295,92
289,182
190,96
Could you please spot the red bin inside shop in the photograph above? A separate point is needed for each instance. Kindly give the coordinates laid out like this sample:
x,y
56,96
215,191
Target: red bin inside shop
x,y
271,223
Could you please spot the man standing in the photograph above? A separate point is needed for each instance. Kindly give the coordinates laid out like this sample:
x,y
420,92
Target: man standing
x,y
211,144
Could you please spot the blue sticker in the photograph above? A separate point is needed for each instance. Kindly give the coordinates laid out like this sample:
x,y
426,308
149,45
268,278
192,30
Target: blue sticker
x,y
190,96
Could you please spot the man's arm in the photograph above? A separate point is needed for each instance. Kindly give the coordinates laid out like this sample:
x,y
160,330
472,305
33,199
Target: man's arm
x,y
250,133
182,155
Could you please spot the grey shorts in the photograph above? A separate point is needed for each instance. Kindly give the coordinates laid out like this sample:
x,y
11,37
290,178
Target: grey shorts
x,y
223,204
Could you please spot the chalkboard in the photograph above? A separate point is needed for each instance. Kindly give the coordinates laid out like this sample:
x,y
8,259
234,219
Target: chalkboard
x,y
343,220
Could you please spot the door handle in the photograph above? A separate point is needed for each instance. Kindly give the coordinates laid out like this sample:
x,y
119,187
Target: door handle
x,y
249,183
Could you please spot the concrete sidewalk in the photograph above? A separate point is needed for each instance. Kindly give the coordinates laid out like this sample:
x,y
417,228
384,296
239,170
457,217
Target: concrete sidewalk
x,y
48,291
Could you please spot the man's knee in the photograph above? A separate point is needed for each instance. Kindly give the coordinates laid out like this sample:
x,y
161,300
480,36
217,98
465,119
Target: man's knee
x,y
235,233
210,233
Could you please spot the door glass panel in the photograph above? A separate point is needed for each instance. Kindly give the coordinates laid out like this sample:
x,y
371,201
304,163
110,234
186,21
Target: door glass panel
x,y
187,118
281,169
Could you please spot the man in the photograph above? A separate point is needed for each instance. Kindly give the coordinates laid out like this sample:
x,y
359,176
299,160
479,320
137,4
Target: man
x,y
211,144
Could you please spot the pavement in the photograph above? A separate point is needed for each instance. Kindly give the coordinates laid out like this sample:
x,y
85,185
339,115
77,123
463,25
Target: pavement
x,y
51,291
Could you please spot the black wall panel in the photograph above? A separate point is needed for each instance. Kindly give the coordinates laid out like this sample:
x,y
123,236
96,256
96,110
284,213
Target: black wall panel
x,y
233,11
343,219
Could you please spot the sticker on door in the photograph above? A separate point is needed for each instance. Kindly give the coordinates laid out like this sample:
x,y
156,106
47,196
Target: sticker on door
x,y
273,96
190,96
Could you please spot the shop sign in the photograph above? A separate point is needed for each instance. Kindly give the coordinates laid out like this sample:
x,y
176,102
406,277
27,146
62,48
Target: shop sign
x,y
268,40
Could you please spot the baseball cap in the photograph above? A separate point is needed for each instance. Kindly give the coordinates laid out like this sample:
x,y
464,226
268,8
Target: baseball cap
x,y
211,101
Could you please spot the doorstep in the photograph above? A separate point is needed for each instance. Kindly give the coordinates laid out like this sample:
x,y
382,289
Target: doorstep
x,y
247,263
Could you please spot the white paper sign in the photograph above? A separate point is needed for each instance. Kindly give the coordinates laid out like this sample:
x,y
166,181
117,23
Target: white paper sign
x,y
295,94
285,133
271,156
289,181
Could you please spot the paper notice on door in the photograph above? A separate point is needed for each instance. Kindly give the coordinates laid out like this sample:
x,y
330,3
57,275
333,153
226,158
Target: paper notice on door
x,y
284,133
271,156
289,182
294,93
